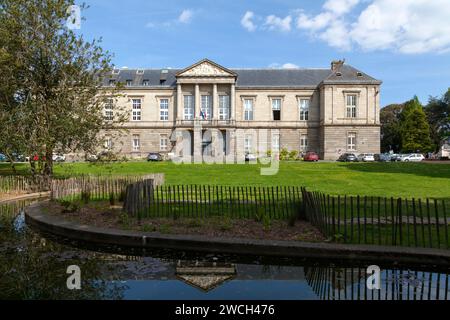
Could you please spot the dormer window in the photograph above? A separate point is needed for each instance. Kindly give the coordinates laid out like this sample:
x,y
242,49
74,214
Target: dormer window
x,y
140,71
359,74
112,82
116,71
163,76
129,83
338,74
146,82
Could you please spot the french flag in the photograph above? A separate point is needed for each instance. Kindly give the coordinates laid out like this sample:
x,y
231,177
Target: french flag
x,y
203,115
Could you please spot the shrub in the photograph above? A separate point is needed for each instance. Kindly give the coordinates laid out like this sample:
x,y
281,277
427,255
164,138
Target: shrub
x,y
284,154
70,207
124,220
293,155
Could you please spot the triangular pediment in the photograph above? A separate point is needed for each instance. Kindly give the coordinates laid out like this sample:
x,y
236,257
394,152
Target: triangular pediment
x,y
206,68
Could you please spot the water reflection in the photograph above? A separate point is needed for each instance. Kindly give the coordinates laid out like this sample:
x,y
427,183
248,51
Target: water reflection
x,y
34,267
396,284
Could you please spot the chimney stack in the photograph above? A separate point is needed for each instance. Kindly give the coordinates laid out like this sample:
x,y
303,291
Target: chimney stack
x,y
336,64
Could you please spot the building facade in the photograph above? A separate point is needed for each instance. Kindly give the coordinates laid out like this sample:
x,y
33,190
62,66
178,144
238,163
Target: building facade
x,y
207,109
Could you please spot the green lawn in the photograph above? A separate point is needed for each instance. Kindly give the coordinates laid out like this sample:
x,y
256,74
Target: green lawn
x,y
419,180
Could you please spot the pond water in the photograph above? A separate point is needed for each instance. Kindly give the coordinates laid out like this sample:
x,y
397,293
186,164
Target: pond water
x,y
34,266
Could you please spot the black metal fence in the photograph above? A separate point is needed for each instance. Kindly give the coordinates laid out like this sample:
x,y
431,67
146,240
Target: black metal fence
x,y
201,201
380,221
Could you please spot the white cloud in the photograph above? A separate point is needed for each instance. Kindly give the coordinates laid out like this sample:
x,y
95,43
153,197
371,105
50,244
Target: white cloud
x,y
247,21
340,7
277,23
185,16
407,26
284,66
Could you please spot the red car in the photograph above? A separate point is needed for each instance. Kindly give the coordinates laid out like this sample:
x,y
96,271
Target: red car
x,y
311,156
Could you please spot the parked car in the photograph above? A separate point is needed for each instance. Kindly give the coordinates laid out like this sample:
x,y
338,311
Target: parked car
x,y
17,157
396,157
34,158
154,156
366,157
249,157
58,157
311,156
382,157
348,157
107,156
2,157
91,157
413,157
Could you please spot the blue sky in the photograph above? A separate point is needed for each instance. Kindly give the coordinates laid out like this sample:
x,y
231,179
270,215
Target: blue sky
x,y
406,43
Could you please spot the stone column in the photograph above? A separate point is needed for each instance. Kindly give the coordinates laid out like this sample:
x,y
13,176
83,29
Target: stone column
x,y
198,139
197,102
179,109
215,103
233,102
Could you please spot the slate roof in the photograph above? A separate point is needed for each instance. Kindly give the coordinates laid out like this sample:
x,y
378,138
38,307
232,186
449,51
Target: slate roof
x,y
254,78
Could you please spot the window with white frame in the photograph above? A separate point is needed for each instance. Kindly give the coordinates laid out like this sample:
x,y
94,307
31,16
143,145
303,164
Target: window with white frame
x,y
304,109
351,141
248,142
164,109
248,109
109,113
351,105
276,109
224,107
275,142
137,108
188,107
303,142
206,107
163,143
108,143
129,83
136,142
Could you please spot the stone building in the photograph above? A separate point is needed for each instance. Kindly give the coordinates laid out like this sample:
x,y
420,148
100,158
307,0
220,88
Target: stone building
x,y
207,109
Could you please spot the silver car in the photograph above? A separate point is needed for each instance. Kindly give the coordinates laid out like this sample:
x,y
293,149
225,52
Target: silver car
x,y
366,157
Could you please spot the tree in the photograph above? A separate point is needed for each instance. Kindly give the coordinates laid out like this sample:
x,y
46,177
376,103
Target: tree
x,y
415,130
51,82
438,114
391,138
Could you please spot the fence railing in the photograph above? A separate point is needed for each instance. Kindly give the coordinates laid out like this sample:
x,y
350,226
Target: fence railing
x,y
22,184
90,187
379,221
201,201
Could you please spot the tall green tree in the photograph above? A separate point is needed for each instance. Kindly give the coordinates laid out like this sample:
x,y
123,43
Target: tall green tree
x,y
51,81
438,114
415,130
391,138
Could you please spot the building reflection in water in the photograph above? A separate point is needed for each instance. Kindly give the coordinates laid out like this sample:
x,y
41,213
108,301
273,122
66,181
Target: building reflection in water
x,y
335,283
205,275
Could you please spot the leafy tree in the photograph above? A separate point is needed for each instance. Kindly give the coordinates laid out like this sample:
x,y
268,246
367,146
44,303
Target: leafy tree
x,y
438,114
51,82
415,130
391,138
